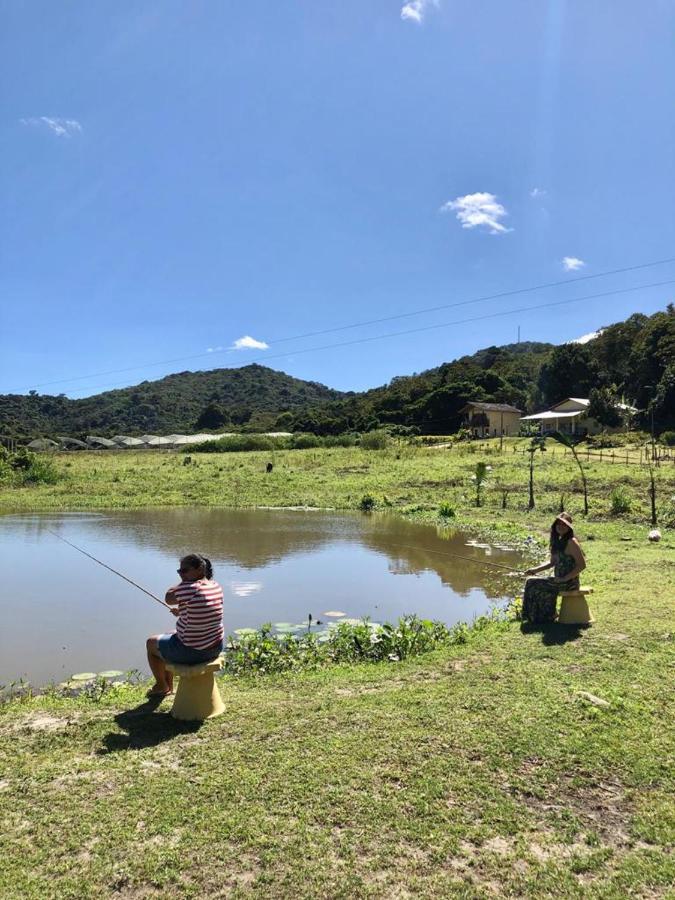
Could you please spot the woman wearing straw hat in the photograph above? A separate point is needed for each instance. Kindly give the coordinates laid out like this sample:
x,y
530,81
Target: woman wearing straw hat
x,y
567,560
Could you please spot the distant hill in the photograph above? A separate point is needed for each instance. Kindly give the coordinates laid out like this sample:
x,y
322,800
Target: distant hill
x,y
180,403
633,360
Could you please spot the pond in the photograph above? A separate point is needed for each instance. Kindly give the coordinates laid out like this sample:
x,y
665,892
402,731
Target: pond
x,y
65,614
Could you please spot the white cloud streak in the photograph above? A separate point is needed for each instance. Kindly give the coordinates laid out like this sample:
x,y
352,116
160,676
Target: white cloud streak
x,y
414,10
480,210
59,127
572,264
537,192
249,343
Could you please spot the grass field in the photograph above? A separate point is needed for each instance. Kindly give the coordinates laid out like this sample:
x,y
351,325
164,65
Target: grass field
x,y
532,763
400,477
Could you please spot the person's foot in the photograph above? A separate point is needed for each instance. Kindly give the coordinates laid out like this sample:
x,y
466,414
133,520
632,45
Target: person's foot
x,y
160,690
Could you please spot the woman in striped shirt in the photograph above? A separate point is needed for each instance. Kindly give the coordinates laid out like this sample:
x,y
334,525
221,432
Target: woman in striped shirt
x,y
198,604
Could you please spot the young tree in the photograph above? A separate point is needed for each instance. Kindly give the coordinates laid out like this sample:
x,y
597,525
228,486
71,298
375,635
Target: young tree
x,y
537,443
571,441
480,477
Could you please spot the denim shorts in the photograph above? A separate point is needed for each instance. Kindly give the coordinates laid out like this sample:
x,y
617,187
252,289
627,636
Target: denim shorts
x,y
173,650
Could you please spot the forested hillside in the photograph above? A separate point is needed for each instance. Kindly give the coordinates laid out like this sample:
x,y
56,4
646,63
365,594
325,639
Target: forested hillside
x,y
632,360
181,403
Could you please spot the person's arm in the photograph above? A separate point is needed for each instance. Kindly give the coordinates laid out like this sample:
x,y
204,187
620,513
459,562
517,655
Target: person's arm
x,y
541,568
170,596
577,554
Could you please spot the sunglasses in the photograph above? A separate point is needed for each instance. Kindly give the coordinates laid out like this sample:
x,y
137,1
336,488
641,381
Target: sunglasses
x,y
183,570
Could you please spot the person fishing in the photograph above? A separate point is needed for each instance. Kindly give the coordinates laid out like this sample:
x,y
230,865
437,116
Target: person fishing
x,y
567,560
198,604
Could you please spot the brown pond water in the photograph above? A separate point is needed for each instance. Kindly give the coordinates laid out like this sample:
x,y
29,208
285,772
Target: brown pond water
x,y
64,614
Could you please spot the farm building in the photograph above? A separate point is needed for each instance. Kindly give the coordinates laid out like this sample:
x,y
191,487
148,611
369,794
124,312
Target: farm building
x,y
570,416
491,419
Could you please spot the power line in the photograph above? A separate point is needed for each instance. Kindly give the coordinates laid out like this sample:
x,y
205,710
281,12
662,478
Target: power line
x,y
494,315
419,312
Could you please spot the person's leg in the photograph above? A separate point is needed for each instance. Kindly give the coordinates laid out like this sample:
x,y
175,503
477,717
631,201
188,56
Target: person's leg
x,y
163,678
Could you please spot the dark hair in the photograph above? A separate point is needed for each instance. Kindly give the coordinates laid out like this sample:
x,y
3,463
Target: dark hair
x,y
557,542
197,561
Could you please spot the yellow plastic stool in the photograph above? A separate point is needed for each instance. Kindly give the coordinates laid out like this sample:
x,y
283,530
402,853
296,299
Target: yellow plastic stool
x,y
197,697
574,607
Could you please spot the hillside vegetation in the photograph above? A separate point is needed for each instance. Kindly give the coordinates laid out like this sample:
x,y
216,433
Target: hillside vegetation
x,y
632,360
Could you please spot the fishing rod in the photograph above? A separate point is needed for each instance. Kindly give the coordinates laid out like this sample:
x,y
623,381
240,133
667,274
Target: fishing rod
x,y
110,569
481,562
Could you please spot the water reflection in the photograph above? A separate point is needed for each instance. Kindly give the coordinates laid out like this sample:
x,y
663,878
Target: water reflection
x,y
275,565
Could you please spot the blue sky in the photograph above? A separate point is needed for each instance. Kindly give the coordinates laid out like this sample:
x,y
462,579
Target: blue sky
x,y
180,175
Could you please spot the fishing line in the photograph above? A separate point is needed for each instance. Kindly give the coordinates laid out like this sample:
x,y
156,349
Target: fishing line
x,y
474,559
110,569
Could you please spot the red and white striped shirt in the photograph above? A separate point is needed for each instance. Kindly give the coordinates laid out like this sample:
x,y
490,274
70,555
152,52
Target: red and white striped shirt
x,y
200,613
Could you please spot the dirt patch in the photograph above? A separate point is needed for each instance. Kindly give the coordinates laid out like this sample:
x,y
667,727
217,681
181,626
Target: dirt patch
x,y
602,807
497,845
43,722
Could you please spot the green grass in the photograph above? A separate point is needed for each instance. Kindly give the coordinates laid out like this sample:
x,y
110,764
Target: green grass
x,y
478,770
399,477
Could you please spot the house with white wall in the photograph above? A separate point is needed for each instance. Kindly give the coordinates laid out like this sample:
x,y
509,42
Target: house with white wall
x,y
570,416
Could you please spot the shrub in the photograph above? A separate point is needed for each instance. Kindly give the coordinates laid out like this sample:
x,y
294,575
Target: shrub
x,y
367,503
374,440
620,501
24,468
446,511
668,438
305,441
340,440
235,443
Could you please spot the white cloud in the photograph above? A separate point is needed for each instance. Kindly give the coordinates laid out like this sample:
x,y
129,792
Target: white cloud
x,y
213,349
571,263
414,10
60,127
478,210
537,192
585,338
249,343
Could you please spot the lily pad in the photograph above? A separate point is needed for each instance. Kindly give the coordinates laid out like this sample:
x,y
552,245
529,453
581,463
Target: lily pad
x,y
334,614
83,676
243,632
111,673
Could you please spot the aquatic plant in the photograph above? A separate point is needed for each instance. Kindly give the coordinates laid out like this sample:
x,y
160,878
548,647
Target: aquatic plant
x,y
283,647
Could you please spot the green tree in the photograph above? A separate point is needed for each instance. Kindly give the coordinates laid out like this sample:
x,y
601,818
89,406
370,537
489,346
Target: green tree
x,y
604,406
568,373
212,416
571,441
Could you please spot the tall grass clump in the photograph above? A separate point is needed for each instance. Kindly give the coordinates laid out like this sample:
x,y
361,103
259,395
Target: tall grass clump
x,y
23,469
619,501
374,440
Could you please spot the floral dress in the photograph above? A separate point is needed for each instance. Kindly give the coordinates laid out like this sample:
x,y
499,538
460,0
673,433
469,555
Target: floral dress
x,y
540,595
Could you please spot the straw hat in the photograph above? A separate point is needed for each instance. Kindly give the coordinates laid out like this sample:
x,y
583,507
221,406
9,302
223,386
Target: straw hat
x,y
564,517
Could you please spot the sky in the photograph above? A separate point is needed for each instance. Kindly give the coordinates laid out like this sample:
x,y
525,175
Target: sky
x,y
190,185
